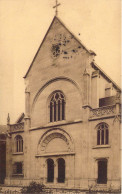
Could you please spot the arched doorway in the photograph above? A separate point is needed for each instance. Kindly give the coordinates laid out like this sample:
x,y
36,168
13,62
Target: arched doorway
x,y
2,158
50,170
61,170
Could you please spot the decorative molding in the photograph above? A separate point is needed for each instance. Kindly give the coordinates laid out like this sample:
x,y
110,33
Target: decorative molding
x,y
86,106
27,118
86,72
50,135
101,146
101,158
18,175
117,119
56,124
53,136
19,131
55,154
95,73
18,153
19,127
103,112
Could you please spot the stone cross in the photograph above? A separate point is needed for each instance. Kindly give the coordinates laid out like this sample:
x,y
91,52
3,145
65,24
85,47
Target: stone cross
x,y
57,4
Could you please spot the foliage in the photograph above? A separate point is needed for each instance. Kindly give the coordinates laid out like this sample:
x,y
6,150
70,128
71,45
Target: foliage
x,y
33,188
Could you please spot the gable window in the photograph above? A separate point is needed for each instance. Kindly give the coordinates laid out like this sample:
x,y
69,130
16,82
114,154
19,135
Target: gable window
x,y
57,107
18,143
102,134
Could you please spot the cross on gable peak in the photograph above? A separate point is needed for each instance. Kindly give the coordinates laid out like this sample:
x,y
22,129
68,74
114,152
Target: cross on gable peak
x,y
56,7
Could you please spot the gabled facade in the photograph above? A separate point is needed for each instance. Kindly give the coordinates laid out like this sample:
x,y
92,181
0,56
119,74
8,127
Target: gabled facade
x,y
70,136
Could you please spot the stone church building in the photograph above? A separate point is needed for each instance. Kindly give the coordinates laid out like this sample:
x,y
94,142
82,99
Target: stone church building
x,y
69,136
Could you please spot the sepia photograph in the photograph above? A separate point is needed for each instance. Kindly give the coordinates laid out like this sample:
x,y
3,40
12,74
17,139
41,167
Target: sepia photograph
x,y
60,96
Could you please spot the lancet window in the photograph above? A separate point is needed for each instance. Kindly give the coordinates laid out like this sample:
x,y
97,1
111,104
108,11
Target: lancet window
x,y
57,107
102,134
18,143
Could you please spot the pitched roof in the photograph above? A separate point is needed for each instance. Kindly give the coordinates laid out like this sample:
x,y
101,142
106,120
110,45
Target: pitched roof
x,y
96,67
21,117
89,51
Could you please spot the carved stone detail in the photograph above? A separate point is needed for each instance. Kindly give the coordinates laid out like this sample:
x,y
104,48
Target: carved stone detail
x,y
103,111
17,127
51,137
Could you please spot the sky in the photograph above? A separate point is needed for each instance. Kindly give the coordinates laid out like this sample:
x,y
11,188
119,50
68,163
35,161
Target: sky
x,y
23,24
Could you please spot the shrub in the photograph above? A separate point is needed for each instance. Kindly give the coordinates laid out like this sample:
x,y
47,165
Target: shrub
x,y
33,188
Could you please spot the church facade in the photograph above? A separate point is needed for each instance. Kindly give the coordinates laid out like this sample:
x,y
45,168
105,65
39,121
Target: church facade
x,y
69,136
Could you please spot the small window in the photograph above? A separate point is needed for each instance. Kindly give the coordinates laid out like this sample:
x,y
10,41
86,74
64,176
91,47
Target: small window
x,y
17,169
18,144
102,134
57,107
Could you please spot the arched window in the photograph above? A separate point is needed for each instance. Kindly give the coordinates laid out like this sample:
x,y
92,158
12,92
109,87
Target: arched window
x,y
102,134
18,143
61,170
57,107
50,170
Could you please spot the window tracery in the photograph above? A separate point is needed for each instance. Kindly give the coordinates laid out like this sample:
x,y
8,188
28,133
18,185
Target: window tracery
x,y
57,107
102,134
18,143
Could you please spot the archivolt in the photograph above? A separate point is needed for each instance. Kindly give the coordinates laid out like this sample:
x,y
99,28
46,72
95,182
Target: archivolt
x,y
51,81
55,133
